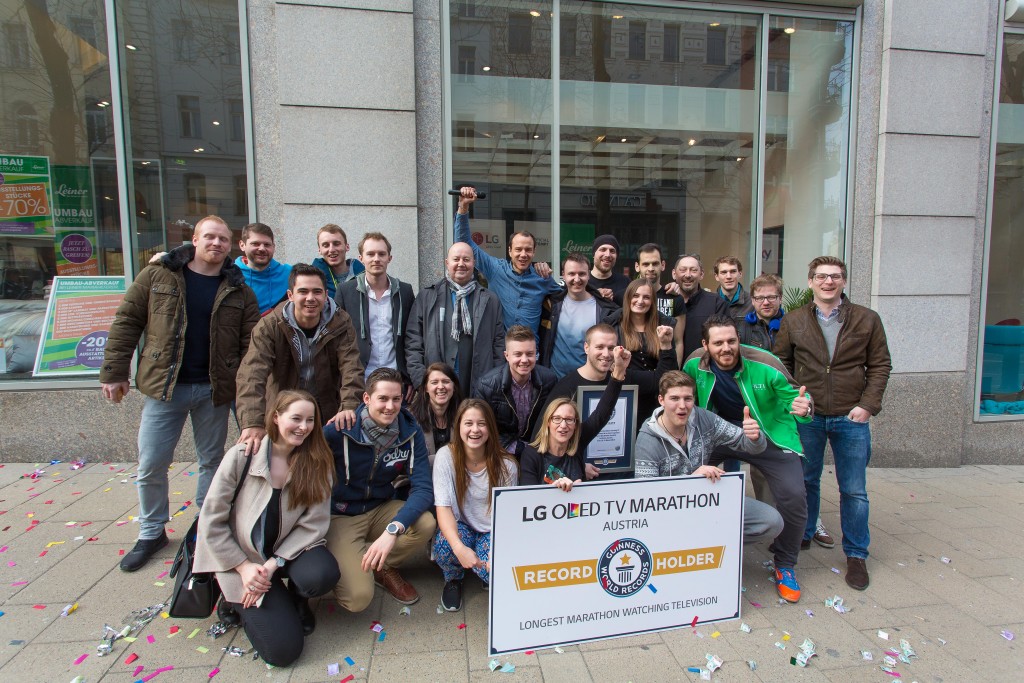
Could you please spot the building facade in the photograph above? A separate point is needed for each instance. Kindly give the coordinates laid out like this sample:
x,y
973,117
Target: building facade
x,y
881,131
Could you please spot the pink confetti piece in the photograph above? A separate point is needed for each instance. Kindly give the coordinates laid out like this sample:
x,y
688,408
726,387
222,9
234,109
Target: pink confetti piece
x,y
130,658
528,652
174,629
38,606
3,550
462,627
214,672
346,679
121,551
693,624
755,604
19,583
139,669
12,564
149,677
42,554
81,658
150,639
162,575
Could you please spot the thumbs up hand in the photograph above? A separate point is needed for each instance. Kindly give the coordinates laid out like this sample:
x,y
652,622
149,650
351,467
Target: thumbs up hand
x,y
750,428
801,404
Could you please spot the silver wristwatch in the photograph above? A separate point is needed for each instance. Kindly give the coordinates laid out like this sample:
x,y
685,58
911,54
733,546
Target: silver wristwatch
x,y
394,529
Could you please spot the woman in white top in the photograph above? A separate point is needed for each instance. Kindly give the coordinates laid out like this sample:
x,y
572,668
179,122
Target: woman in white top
x,y
465,472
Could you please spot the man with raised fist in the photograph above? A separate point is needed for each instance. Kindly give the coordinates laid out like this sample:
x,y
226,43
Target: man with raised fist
x,y
735,382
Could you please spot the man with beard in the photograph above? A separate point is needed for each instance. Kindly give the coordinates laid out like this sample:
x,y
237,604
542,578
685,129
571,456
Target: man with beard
x,y
700,304
608,284
740,382
197,315
759,326
265,276
305,343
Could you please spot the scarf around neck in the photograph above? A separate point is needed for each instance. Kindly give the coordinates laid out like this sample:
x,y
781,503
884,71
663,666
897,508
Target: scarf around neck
x,y
382,438
461,293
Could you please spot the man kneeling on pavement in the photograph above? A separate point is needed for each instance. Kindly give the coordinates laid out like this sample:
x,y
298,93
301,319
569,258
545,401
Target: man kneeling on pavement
x,y
382,495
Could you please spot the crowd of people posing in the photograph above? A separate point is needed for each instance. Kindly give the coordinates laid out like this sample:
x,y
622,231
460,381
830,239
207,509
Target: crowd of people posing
x,y
375,422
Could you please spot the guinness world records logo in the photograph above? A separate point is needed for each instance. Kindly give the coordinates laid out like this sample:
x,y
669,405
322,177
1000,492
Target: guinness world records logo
x,y
624,567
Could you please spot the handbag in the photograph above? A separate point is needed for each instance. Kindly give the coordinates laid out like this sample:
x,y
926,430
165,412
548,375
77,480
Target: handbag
x,y
195,594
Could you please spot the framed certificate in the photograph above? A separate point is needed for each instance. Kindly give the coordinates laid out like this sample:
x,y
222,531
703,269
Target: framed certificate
x,y
612,449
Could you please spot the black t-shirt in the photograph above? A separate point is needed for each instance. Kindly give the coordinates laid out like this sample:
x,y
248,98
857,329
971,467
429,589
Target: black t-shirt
x,y
725,396
617,282
671,305
272,528
200,293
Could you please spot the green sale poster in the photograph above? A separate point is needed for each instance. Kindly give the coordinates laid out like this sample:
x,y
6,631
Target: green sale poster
x,y
25,199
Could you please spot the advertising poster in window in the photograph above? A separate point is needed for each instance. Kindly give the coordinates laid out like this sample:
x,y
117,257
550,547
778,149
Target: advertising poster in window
x,y
78,319
74,217
25,207
613,558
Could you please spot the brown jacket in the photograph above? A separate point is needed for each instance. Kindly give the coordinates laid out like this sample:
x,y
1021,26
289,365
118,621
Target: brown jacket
x,y
859,369
229,535
155,304
273,365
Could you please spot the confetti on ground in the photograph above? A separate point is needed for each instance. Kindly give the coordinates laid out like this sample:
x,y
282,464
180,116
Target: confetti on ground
x,y
894,674
744,628
202,649
440,610
159,584
752,664
174,629
53,543
38,606
559,650
883,635
81,659
1005,634
350,661
756,604
462,626
945,560
149,677
508,668
493,664
214,672
139,669
867,656
333,669
346,679
68,609
693,624
376,627
810,613
835,571
404,612
193,634
131,658
716,634
150,639
780,645
382,636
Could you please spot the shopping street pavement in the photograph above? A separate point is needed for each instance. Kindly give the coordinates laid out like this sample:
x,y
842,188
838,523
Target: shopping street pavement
x,y
946,576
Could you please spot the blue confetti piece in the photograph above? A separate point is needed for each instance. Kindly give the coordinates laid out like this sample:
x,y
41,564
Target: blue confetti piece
x,y
350,661
1,614
382,636
693,669
653,589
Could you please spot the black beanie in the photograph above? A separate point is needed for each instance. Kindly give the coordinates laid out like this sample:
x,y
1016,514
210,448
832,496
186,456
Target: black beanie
x,y
603,240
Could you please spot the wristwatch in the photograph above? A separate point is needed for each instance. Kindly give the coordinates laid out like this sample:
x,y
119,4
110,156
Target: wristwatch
x,y
394,529
280,561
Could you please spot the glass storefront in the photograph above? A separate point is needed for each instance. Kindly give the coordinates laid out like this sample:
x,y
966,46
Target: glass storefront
x,y
62,195
1002,367
660,116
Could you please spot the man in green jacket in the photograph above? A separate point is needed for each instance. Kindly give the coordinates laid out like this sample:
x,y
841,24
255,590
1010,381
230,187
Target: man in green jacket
x,y
197,314
732,378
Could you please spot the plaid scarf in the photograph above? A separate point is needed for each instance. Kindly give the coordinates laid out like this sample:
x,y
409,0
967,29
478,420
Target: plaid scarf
x,y
382,438
461,307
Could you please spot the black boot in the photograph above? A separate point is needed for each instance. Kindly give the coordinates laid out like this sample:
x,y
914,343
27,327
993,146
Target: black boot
x,y
306,616
227,614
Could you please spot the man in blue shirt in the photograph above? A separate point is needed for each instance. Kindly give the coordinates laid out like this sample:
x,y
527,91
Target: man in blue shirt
x,y
516,281
267,278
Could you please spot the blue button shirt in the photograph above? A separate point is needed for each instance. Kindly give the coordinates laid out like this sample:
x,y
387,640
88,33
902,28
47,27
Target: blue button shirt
x,y
521,294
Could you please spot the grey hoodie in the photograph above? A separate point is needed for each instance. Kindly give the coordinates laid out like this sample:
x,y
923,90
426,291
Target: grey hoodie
x,y
303,344
660,455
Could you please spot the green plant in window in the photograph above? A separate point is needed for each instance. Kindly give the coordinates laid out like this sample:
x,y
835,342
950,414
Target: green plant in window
x,y
795,297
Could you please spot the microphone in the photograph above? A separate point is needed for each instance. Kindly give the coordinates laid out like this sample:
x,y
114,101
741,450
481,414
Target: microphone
x,y
457,193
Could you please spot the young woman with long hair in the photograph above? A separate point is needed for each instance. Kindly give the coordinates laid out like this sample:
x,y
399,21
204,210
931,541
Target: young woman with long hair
x,y
275,528
638,327
465,472
557,455
435,404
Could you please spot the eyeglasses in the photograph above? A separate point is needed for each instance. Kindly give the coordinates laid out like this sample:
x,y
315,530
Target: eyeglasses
x,y
770,298
835,277
557,420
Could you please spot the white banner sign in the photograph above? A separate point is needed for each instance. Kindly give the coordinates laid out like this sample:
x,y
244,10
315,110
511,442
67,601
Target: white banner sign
x,y
613,559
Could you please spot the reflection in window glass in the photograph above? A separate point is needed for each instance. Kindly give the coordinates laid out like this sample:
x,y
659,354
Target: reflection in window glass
x,y
662,151
1002,370
501,117
807,143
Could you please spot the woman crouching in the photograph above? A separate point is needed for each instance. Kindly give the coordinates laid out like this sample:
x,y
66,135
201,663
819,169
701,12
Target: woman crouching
x,y
274,529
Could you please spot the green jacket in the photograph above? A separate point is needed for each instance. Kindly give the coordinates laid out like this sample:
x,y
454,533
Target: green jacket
x,y
155,304
768,390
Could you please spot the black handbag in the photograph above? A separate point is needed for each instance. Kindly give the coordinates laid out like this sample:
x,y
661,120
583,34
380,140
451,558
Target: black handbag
x,y
196,593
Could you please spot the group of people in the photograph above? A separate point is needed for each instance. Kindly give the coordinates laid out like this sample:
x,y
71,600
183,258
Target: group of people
x,y
375,422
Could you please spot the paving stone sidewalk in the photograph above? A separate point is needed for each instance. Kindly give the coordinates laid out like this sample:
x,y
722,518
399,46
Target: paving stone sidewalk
x,y
63,531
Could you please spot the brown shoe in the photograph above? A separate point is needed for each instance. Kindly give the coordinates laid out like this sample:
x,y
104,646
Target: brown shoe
x,y
401,590
856,573
822,537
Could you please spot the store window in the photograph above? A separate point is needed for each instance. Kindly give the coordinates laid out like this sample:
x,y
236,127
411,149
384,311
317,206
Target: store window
x,y
1002,363
659,134
59,158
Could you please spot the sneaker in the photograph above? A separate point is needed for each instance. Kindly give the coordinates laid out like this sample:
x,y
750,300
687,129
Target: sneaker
x,y
226,614
144,549
451,596
401,590
786,585
822,537
857,573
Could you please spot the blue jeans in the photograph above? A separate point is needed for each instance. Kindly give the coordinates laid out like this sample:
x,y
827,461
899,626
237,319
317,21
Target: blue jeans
x,y
159,431
851,445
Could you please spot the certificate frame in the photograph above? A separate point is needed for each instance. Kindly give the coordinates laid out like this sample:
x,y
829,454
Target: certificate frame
x,y
622,440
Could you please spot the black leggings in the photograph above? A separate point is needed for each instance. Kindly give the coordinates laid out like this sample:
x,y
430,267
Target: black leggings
x,y
274,628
